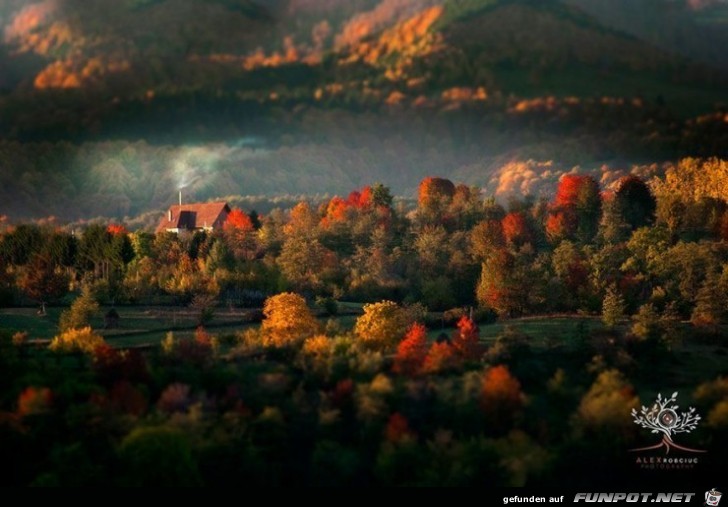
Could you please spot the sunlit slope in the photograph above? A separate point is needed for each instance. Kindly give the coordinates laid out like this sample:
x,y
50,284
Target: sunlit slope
x,y
532,49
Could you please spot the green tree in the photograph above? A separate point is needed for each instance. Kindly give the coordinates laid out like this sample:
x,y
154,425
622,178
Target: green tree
x,y
203,305
381,195
613,228
437,293
142,244
82,310
466,207
103,251
635,202
306,263
7,284
613,307
432,248
646,323
683,268
646,245
219,257
512,283
572,271
21,245
61,249
157,456
710,304
141,279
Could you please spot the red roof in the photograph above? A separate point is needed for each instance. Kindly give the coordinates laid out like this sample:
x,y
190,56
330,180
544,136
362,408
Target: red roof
x,y
194,216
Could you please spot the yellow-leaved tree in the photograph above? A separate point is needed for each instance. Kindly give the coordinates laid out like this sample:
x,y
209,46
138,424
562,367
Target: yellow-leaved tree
x,y
608,403
288,320
77,340
383,325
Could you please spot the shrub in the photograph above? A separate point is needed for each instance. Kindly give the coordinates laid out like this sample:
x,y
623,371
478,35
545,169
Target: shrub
x,y
34,401
77,340
501,396
158,456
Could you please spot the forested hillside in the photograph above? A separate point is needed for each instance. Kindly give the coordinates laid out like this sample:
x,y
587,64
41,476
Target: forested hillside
x,y
104,104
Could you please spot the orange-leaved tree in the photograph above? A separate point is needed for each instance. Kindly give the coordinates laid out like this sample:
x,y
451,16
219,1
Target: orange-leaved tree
x,y
441,357
303,220
501,396
336,211
288,320
435,195
516,229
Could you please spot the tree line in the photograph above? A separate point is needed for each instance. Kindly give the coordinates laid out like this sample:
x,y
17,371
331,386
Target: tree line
x,y
657,245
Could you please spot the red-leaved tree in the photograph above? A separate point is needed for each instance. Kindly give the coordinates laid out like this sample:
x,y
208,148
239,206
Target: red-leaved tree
x,y
576,210
237,219
397,428
34,401
411,351
360,199
516,229
465,339
116,230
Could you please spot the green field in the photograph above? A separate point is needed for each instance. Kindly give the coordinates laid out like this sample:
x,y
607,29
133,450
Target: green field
x,y
140,325
540,329
145,326
137,325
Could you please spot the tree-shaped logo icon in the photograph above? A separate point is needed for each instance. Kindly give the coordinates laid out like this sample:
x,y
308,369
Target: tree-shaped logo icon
x,y
663,418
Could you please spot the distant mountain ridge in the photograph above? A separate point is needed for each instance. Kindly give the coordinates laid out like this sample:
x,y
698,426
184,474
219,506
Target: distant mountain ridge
x,y
90,43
